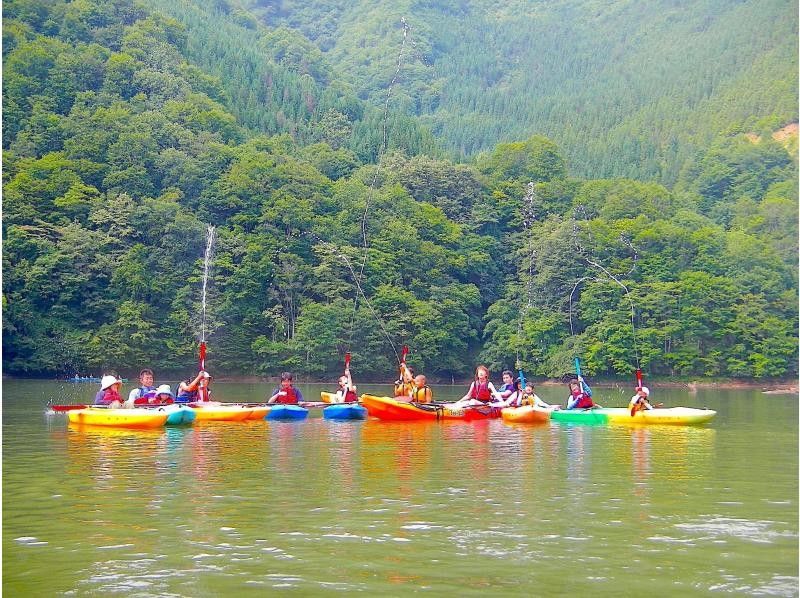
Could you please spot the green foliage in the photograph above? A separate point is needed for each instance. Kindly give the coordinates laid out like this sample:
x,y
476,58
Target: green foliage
x,y
341,227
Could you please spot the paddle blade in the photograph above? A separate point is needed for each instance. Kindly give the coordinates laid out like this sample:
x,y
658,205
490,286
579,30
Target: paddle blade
x,y
403,354
202,355
347,360
639,379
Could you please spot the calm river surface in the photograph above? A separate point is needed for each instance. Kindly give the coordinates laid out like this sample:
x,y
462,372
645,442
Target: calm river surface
x,y
319,507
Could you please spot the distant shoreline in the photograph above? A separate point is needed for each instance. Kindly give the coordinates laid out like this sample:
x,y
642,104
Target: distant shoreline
x,y
776,387
766,386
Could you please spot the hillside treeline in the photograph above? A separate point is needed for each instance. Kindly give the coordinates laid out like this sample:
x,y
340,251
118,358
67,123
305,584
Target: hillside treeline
x,y
119,150
625,88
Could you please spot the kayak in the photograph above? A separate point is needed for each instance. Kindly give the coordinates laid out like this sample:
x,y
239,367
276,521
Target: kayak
x,y
390,409
597,415
216,411
327,397
124,418
286,413
179,415
257,411
344,411
675,416
527,414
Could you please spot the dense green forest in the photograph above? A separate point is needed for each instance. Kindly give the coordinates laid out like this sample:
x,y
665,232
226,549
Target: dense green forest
x,y
344,220
624,87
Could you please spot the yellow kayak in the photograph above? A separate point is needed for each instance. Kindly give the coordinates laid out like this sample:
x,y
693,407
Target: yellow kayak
x,y
122,418
674,416
221,412
257,411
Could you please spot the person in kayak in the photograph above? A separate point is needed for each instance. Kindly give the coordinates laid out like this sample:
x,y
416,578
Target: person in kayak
x,y
481,391
580,395
109,392
404,385
640,401
286,393
509,385
529,397
164,395
189,390
420,391
146,389
346,393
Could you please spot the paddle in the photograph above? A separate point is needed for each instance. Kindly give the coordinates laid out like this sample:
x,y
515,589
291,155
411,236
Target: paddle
x,y
202,391
578,372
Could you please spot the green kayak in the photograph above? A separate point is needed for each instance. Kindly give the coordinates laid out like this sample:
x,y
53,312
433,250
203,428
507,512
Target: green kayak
x,y
581,416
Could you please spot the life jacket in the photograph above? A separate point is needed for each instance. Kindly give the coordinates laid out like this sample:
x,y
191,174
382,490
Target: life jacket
x,y
109,396
402,389
584,401
419,394
146,392
350,396
481,392
290,398
187,396
637,404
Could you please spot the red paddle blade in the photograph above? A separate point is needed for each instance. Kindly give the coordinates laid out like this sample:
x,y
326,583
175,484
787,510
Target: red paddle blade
x,y
347,360
202,356
404,353
639,378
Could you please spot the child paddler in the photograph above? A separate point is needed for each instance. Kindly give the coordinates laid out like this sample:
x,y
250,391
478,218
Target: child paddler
x,y
580,395
420,391
346,393
481,391
286,393
109,392
189,390
404,385
640,401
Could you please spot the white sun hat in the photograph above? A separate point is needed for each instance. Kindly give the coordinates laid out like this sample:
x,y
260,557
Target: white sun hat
x,y
108,381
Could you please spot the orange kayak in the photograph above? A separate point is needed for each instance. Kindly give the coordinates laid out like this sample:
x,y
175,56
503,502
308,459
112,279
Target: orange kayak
x,y
527,414
390,409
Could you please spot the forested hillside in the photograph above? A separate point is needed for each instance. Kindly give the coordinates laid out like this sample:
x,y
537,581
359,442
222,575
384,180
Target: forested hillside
x,y
626,88
128,129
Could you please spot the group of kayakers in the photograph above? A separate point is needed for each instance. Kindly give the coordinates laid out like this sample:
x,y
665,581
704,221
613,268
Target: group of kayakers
x,y
514,392
188,391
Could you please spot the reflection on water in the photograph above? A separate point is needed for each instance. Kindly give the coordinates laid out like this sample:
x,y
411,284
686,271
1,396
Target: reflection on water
x,y
379,507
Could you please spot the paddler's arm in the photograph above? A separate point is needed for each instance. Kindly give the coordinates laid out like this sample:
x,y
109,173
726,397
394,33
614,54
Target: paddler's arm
x,y
469,393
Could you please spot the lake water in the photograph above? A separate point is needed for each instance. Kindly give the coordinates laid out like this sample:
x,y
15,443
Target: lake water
x,y
319,507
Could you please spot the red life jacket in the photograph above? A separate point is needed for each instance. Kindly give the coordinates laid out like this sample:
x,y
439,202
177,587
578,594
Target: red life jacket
x,y
350,396
481,392
290,398
584,402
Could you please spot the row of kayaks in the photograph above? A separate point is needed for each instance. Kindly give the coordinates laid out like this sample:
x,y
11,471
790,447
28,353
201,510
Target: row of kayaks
x,y
384,408
175,415
390,409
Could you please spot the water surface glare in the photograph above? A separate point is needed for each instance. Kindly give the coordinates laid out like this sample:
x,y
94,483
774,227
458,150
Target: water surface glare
x,y
471,508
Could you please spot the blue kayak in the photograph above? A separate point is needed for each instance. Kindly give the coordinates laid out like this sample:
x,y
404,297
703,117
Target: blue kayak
x,y
179,415
286,412
344,411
